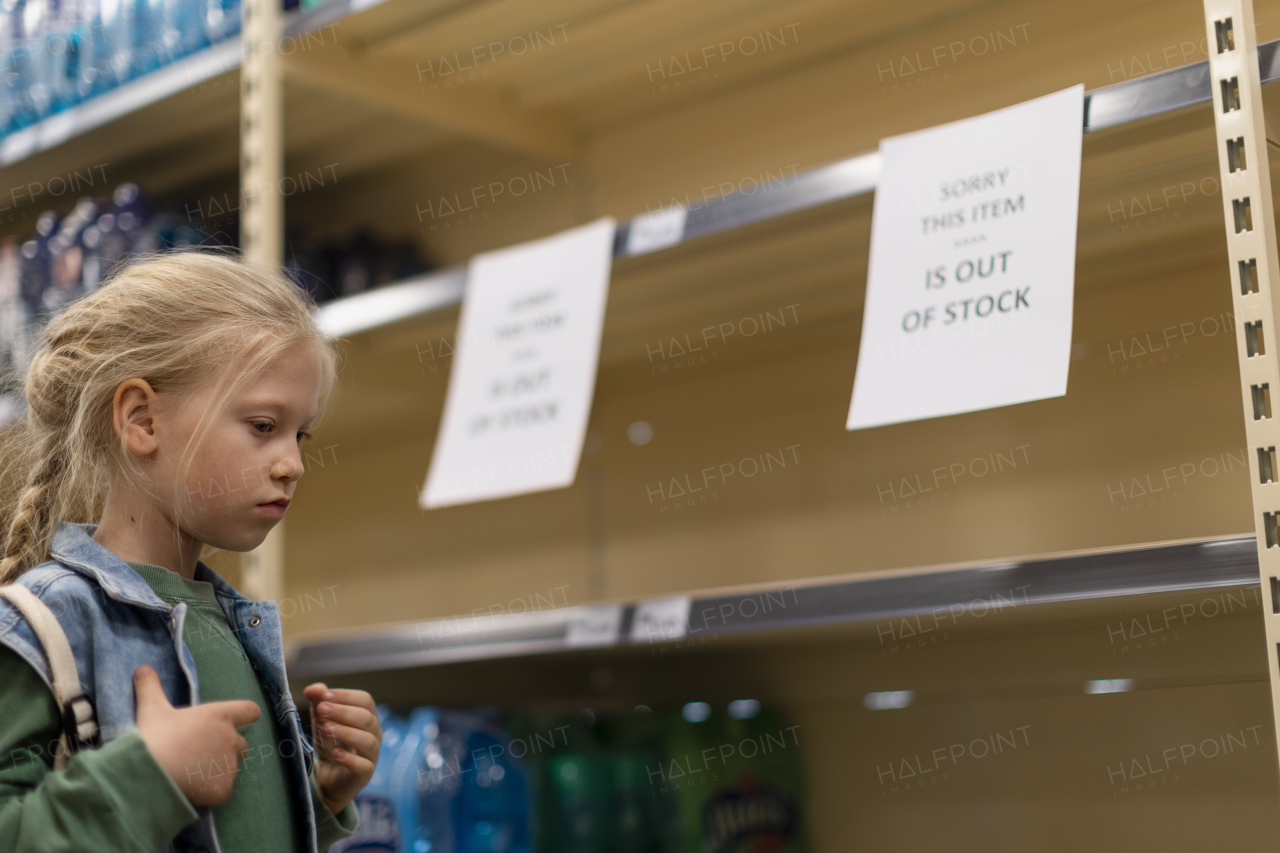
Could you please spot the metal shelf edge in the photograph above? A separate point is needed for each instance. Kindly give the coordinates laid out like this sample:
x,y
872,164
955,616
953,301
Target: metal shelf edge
x,y
393,302
1222,564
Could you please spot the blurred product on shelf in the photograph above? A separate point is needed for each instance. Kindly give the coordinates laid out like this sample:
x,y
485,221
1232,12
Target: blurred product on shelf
x,y
379,828
55,53
684,780
597,791
147,41
117,233
66,258
181,29
70,257
471,795
220,19
737,779
33,272
445,782
575,811
15,330
330,270
107,60
27,100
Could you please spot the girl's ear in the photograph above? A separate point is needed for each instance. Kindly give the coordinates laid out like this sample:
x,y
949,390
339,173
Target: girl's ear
x,y
133,412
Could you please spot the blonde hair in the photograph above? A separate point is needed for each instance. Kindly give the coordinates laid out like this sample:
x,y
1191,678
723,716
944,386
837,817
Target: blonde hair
x,y
180,321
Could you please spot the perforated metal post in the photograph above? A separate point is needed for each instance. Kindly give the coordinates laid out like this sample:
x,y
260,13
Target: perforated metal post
x,y
1251,251
262,213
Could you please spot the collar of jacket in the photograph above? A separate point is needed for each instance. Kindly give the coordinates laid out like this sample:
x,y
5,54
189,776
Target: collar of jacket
x,y
73,545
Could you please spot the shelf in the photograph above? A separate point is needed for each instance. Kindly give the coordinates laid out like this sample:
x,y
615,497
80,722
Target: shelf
x,y
1108,107
613,540
146,106
186,73
1220,563
783,589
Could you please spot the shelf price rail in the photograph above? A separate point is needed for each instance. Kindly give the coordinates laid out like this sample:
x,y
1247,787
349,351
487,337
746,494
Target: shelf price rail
x,y
1223,563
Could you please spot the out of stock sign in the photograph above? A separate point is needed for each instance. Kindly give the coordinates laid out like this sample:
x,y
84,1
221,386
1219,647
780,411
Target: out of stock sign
x,y
515,414
972,266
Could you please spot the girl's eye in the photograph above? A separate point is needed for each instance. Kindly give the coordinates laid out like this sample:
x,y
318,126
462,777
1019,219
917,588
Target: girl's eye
x,y
256,424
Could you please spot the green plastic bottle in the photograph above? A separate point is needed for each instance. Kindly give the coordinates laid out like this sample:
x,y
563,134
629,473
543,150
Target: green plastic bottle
x,y
737,777
571,782
645,820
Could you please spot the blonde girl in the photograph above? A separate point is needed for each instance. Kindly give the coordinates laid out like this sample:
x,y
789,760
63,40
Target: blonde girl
x,y
170,405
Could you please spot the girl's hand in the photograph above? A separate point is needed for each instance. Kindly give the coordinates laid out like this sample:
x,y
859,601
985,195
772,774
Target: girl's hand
x,y
347,735
198,747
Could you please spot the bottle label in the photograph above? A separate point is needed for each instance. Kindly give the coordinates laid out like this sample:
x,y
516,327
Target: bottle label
x,y
762,817
378,830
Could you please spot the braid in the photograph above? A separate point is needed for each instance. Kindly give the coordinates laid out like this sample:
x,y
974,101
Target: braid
x,y
30,530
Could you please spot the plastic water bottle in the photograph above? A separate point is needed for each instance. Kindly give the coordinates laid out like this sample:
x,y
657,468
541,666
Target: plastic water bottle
x,y
108,53
82,69
182,31
493,800
147,35
60,58
426,783
24,74
220,19
380,828
460,786
8,93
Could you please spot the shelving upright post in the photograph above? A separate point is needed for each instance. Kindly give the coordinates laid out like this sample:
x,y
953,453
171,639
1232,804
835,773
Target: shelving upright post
x,y
1254,269
262,212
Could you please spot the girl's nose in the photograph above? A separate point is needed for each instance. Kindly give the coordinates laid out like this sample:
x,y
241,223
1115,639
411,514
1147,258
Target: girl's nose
x,y
290,467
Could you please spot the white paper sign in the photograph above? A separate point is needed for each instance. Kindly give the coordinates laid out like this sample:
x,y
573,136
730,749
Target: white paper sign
x,y
972,265
515,414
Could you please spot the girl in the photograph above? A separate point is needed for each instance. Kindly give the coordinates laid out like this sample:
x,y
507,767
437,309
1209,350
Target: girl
x,y
170,403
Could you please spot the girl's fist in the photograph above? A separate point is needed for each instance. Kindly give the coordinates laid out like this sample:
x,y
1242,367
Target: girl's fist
x,y
347,736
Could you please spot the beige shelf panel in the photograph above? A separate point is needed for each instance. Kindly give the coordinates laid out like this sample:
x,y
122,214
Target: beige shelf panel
x,y
1128,414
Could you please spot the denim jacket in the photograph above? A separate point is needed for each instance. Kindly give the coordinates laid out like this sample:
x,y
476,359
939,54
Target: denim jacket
x,y
116,623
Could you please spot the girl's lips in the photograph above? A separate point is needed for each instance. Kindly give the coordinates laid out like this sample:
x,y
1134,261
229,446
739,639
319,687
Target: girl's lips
x,y
273,510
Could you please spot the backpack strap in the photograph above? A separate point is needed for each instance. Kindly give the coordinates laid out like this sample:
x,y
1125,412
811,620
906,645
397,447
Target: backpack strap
x,y
79,722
